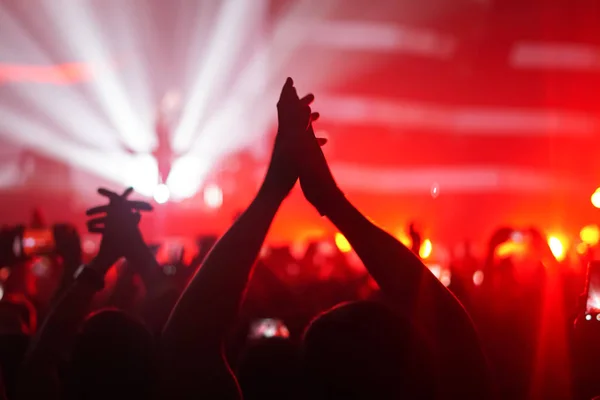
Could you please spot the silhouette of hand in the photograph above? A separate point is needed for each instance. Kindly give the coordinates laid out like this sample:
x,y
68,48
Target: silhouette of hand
x,y
317,183
119,225
294,116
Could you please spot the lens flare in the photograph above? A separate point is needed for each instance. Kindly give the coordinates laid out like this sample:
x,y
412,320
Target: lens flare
x,y
557,247
342,243
161,194
426,249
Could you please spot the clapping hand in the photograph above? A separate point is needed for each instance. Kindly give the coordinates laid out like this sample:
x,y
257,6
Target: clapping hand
x,y
294,117
118,225
317,182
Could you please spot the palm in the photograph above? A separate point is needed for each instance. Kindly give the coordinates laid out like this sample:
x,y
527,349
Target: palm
x,y
119,225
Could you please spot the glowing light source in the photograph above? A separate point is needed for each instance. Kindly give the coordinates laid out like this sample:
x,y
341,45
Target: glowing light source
x,y
142,174
186,176
478,278
596,198
4,273
213,196
435,269
161,193
557,247
590,234
435,190
404,239
446,277
342,243
510,248
582,248
426,248
588,317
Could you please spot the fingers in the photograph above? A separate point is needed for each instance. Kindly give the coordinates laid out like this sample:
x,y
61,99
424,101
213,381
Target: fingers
x,y
108,193
96,210
139,205
314,116
127,192
134,205
288,92
307,100
96,225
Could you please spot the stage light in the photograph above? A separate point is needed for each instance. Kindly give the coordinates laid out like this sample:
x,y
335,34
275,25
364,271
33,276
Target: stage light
x,y
435,190
582,248
187,174
404,238
478,278
588,317
596,198
446,277
4,273
213,196
590,234
435,269
557,247
342,243
142,174
426,249
161,194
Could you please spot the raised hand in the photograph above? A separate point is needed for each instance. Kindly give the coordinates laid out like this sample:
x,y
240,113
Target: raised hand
x,y
294,116
316,180
119,225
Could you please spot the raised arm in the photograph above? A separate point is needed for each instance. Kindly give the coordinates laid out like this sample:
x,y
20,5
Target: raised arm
x,y
405,281
52,344
193,337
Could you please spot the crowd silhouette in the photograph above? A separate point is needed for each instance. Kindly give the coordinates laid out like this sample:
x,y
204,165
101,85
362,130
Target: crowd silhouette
x,y
407,337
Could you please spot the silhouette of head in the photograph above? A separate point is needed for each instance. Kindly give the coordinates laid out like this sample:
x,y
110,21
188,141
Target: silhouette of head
x,y
269,369
113,358
362,350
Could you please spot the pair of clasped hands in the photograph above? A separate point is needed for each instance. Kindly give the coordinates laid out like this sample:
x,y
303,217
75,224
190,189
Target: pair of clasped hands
x,y
296,156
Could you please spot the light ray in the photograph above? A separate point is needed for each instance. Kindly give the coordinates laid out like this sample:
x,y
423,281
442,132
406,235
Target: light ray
x,y
217,64
89,43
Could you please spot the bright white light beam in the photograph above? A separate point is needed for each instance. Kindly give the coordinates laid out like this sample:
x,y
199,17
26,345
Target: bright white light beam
x,y
79,30
217,64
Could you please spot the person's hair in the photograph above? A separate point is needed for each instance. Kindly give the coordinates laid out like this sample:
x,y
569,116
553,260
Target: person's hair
x,y
269,368
363,350
113,357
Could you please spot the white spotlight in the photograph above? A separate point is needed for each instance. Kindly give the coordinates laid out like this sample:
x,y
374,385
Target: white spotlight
x,y
161,194
213,196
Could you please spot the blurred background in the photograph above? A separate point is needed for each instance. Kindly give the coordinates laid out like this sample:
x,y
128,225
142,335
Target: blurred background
x,y
461,114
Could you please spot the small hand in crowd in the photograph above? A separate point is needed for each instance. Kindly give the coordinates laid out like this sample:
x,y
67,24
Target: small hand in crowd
x,y
118,225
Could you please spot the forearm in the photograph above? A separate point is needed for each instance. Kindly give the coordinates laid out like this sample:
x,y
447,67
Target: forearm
x,y
53,341
397,270
414,290
209,304
144,263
